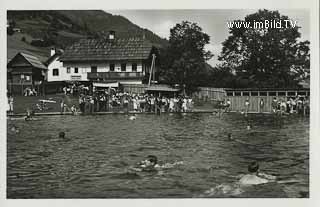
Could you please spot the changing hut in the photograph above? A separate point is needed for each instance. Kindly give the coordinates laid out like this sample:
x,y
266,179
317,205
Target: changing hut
x,y
238,97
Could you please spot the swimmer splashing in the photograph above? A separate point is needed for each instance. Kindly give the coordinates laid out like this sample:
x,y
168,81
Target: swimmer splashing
x,y
151,164
255,177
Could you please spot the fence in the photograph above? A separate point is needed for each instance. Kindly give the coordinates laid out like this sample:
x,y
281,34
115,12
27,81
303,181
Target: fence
x,y
238,98
209,94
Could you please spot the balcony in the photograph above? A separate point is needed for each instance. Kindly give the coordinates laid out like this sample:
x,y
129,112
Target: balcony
x,y
115,76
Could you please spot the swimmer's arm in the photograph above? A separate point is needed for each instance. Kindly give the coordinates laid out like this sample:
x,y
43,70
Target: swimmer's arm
x,y
266,176
135,169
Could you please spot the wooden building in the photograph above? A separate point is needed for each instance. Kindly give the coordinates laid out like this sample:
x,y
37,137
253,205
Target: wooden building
x,y
110,60
238,97
25,70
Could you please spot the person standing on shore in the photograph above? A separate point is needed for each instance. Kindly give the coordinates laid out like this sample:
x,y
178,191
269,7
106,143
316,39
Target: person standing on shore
x,y
10,102
247,105
62,107
261,106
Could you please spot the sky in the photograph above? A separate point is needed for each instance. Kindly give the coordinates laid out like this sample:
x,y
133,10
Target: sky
x,y
213,22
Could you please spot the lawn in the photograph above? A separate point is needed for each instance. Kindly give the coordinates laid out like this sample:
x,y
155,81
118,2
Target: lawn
x,y
21,103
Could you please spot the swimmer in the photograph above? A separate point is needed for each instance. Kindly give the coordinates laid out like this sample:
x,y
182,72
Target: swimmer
x,y
29,115
230,137
150,164
15,129
255,177
249,126
62,135
132,118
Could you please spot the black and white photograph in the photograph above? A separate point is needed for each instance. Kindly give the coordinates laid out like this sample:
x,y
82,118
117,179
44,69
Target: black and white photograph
x,y
158,103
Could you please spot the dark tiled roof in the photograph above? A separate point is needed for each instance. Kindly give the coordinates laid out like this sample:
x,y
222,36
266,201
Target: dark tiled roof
x,y
109,50
53,57
31,59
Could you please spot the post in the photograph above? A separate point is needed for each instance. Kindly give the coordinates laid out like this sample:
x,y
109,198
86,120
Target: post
x,y
151,69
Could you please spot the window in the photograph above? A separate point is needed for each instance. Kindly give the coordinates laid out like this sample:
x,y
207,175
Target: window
x,y
237,93
254,93
111,67
68,69
123,67
263,93
291,93
55,72
134,67
281,93
302,93
245,93
272,94
93,69
76,70
229,93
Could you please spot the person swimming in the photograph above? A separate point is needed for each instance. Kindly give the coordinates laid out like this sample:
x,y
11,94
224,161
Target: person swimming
x,y
15,129
132,118
29,114
62,135
230,137
150,164
255,177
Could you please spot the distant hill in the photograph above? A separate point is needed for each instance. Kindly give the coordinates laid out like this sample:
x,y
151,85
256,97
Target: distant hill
x,y
61,28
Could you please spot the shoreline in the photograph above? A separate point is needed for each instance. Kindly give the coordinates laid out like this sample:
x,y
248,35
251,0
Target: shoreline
x,y
123,112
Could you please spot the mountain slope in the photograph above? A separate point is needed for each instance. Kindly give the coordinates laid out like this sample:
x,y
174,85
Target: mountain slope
x,y
60,28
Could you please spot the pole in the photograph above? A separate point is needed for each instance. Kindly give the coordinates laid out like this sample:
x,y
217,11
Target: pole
x,y
151,69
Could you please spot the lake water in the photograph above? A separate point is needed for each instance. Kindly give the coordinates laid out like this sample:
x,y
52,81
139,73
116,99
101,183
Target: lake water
x,y
95,162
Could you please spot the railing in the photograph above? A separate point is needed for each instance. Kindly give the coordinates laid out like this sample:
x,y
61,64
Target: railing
x,y
115,75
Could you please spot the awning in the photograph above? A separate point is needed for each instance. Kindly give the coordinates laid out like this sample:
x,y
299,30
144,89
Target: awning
x,y
106,85
162,88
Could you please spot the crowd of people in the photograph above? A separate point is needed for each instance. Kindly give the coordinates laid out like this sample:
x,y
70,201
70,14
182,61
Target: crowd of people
x,y
289,105
30,92
112,100
299,105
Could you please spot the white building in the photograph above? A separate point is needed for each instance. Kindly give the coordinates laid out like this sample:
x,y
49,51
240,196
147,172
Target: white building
x,y
57,72
109,61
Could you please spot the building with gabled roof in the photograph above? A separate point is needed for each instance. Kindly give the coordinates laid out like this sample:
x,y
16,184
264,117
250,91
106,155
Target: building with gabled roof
x,y
25,70
110,60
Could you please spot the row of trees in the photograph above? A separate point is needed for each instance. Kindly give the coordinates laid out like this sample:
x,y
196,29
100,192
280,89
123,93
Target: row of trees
x,y
250,57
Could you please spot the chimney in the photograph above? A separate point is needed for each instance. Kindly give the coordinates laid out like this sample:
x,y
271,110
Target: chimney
x,y
112,35
52,51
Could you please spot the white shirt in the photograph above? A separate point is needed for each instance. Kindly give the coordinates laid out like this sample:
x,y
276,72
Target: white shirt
x,y
252,180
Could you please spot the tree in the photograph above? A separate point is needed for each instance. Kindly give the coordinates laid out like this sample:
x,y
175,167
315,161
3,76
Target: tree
x,y
183,61
266,56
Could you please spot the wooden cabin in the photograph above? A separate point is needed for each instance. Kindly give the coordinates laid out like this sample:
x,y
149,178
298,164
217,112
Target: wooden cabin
x,y
25,70
239,96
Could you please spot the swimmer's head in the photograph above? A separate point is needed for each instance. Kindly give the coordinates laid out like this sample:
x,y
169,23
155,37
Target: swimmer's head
x,y
62,134
152,159
230,136
253,167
